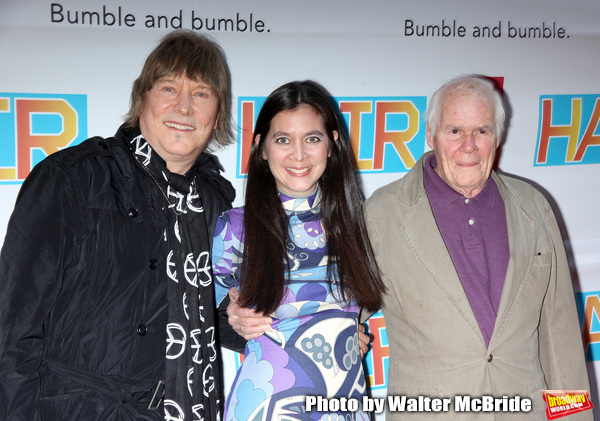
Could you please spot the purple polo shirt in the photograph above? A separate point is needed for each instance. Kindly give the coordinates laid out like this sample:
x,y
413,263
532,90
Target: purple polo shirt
x,y
475,233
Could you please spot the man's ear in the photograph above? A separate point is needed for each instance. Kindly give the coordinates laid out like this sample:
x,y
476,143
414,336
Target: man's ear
x,y
498,141
428,136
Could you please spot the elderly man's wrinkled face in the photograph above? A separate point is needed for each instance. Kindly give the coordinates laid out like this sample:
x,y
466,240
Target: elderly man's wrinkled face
x,y
465,143
178,119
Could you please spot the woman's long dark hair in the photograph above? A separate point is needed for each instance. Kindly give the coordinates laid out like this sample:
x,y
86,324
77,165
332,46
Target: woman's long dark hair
x,y
266,225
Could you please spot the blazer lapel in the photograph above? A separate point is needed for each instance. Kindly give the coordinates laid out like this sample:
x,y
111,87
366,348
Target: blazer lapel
x,y
421,232
520,234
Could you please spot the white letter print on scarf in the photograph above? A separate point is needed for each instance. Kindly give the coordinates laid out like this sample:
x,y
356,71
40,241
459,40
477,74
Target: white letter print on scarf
x,y
190,350
192,340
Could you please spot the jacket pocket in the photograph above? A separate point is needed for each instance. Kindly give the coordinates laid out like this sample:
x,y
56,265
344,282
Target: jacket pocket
x,y
538,406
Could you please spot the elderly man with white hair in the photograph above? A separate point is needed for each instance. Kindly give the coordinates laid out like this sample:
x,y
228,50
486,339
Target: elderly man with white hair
x,y
480,300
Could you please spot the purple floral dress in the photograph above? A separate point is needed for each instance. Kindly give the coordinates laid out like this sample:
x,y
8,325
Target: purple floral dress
x,y
312,349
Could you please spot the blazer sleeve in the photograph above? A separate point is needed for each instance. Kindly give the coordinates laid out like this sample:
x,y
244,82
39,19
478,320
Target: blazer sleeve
x,y
561,348
37,247
374,240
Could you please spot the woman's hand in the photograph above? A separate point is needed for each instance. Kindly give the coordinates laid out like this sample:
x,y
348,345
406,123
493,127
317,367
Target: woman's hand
x,y
363,340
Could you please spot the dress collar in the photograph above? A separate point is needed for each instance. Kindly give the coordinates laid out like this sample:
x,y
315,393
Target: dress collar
x,y
310,202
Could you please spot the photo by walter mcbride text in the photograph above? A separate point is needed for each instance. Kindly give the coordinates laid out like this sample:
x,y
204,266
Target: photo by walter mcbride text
x,y
397,403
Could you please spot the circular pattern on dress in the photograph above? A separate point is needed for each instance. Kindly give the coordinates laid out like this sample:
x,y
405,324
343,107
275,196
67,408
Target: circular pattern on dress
x,y
351,356
320,349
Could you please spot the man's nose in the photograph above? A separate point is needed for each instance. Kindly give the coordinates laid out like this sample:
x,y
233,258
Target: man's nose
x,y
468,143
183,105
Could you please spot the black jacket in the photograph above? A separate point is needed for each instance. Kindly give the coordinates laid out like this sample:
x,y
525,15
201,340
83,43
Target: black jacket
x,y
83,304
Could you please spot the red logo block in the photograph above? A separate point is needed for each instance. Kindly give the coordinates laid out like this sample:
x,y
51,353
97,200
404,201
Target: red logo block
x,y
560,403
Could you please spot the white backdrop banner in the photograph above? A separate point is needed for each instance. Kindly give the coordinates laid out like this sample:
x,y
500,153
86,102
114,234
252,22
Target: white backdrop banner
x,y
68,65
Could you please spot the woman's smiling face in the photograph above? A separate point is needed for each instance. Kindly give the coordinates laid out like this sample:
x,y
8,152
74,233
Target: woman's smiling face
x,y
296,149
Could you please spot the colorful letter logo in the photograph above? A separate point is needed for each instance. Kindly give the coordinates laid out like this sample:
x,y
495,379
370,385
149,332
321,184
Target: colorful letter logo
x,y
33,126
588,305
387,133
569,132
377,358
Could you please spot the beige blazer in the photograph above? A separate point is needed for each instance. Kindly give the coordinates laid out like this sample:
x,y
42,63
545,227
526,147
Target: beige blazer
x,y
435,346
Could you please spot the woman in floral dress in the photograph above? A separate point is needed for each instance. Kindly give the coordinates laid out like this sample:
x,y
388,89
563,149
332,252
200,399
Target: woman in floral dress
x,y
298,251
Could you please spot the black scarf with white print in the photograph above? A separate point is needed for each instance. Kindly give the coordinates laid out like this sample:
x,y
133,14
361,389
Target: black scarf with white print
x,y
192,371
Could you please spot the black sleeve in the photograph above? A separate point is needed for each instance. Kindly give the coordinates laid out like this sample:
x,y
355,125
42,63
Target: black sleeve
x,y
228,337
37,246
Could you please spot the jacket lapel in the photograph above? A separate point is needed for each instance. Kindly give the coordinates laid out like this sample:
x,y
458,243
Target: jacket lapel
x,y
520,237
421,232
